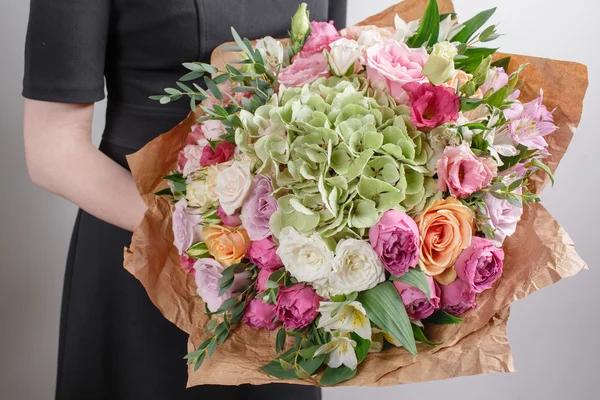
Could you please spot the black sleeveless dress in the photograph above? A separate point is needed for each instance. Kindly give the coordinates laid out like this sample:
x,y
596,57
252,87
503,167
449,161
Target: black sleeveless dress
x,y
114,344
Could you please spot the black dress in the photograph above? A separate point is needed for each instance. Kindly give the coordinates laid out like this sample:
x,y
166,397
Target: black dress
x,y
114,344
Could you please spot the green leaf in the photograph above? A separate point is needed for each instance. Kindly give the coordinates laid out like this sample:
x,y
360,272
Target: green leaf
x,y
164,192
471,26
417,278
211,325
420,336
502,63
274,368
441,317
190,76
537,163
230,48
280,340
496,99
467,104
333,376
228,304
429,28
212,86
385,308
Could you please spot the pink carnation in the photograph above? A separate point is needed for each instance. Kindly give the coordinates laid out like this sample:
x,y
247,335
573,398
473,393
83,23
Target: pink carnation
x,y
462,173
391,65
432,106
304,70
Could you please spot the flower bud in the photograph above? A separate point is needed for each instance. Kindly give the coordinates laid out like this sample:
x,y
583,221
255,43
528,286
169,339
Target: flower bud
x,y
300,24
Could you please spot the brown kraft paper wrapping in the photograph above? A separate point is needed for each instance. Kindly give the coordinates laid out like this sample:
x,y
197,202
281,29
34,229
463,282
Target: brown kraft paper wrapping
x,y
540,253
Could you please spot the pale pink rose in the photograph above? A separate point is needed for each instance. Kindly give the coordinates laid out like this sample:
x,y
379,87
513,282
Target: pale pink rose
x,y
213,129
208,274
462,173
229,220
191,156
185,227
391,65
304,70
355,32
258,208
259,315
321,36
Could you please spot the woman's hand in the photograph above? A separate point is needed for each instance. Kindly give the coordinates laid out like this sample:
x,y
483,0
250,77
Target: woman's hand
x,y
62,159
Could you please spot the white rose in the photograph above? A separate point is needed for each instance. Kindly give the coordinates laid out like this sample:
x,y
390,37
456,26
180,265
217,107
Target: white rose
x,y
307,258
201,186
356,267
440,65
343,56
233,185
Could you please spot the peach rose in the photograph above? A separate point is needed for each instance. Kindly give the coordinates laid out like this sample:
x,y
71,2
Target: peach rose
x,y
228,246
460,78
446,229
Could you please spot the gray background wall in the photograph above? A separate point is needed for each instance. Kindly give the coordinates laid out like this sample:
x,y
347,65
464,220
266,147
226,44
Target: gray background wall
x,y
553,332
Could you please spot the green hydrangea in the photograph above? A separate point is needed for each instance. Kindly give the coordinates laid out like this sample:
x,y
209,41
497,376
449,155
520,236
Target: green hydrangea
x,y
340,155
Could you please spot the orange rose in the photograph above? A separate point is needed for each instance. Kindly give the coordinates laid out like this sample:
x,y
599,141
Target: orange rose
x,y
460,78
227,246
446,229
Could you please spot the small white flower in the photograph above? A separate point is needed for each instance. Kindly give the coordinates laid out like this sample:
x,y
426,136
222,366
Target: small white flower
x,y
272,52
307,258
404,30
449,28
340,351
356,267
345,318
233,185
343,56
368,38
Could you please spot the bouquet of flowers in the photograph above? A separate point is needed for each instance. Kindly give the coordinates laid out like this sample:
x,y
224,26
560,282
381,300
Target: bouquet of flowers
x,y
347,191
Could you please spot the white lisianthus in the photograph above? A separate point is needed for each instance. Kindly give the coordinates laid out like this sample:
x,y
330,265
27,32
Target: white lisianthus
x,y
343,56
356,267
440,65
233,185
200,192
404,30
307,258
345,318
340,351
271,51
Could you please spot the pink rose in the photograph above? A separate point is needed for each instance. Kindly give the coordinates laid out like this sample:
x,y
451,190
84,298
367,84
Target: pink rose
x,y
395,239
187,263
195,135
432,106
223,153
258,208
261,280
495,81
480,264
391,65
418,306
264,254
213,129
356,31
462,173
208,273
229,220
259,315
321,36
297,306
304,70
189,157
457,297
185,227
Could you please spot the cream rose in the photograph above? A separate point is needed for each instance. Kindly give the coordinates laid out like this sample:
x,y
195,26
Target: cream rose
x,y
356,267
233,185
200,192
307,258
440,65
446,229
343,56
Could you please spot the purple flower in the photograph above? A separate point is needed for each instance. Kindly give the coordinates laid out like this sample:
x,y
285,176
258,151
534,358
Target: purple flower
x,y
264,254
480,264
297,306
259,314
457,297
418,306
529,123
395,239
503,217
229,220
258,208
184,227
208,273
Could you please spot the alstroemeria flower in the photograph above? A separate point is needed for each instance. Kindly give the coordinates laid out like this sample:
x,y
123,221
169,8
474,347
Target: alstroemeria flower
x,y
350,317
340,351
